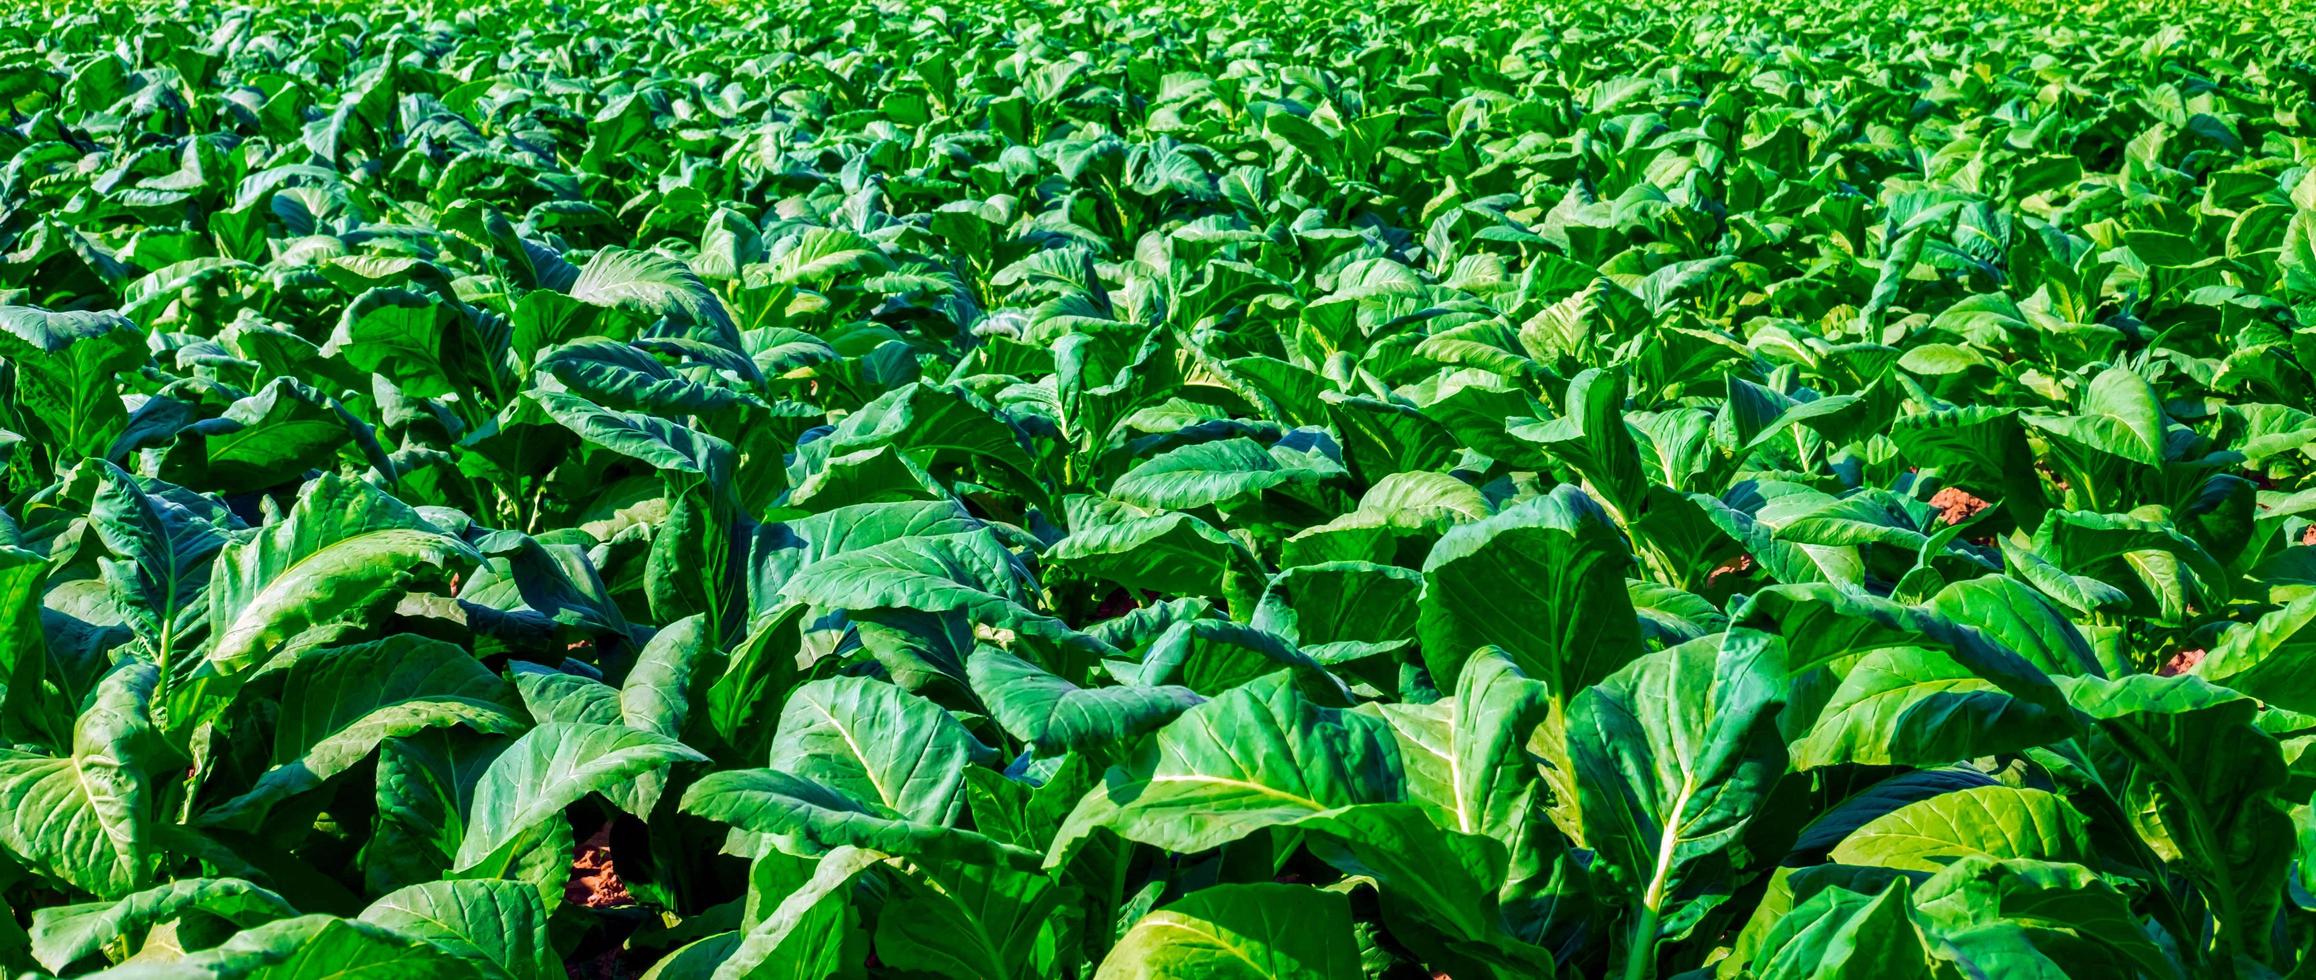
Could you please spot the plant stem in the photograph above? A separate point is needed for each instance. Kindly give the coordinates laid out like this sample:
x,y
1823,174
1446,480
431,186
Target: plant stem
x,y
1640,962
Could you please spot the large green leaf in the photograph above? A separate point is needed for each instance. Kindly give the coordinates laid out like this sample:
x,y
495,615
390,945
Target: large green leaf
x,y
1348,609
2225,824
164,550
803,817
625,377
1822,624
1994,821
1592,437
931,421
1841,933
308,947
1466,757
1544,581
2072,914
777,552
339,703
969,573
2121,416
425,792
877,743
657,286
1175,553
28,705
66,363
1056,716
551,767
1430,878
659,442
971,919
495,928
803,936
1210,473
2268,658
1918,707
343,555
87,819
268,439
2011,613
1674,755
1211,656
63,934
403,335
1256,757
1242,932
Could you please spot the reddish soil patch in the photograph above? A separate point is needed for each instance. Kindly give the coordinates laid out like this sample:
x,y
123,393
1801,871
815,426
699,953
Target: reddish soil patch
x,y
2180,663
1734,566
594,883
2056,483
1956,505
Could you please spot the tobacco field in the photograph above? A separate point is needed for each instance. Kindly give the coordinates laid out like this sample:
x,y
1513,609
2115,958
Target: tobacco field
x,y
1014,489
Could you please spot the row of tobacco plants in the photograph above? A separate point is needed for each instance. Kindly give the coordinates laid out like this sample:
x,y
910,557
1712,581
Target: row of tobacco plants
x,y
1027,489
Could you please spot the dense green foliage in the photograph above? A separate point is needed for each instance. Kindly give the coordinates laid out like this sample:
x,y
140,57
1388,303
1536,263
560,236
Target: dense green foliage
x,y
1026,489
